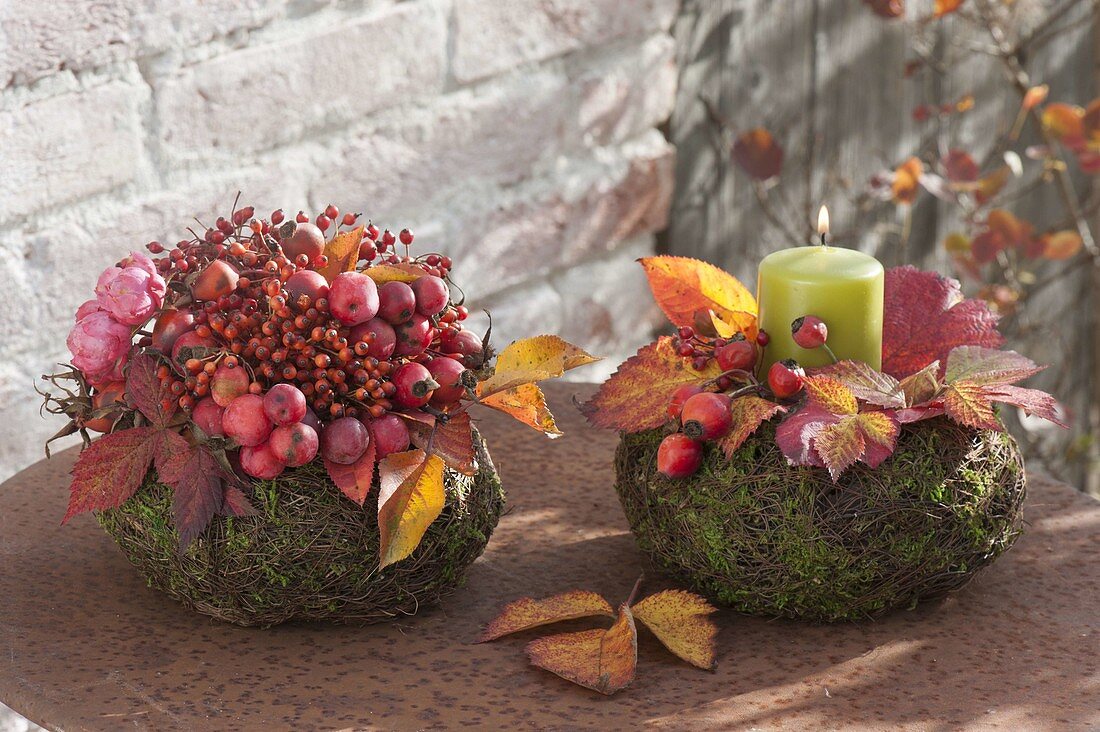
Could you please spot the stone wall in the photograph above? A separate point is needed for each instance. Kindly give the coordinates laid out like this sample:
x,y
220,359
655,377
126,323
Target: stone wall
x,y
520,137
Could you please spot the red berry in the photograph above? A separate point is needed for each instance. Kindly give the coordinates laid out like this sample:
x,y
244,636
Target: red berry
x,y
245,420
736,355
679,456
301,218
306,282
323,222
227,384
448,372
432,295
372,232
307,239
391,435
284,404
414,385
344,441
406,237
388,238
277,216
397,302
385,339
295,444
353,298
219,278
809,331
762,338
706,416
413,336
332,212
786,378
260,461
680,396
188,343
686,332
207,415
349,219
106,395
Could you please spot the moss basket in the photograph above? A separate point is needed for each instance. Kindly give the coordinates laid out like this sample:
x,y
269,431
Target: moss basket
x,y
311,554
768,538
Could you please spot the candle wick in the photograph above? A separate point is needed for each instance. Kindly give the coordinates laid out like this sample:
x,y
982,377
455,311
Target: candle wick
x,y
823,239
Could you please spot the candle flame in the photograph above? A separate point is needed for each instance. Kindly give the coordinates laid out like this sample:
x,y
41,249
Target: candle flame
x,y
823,220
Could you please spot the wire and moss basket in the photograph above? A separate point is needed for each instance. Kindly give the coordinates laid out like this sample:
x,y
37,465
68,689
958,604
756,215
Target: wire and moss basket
x,y
310,554
769,538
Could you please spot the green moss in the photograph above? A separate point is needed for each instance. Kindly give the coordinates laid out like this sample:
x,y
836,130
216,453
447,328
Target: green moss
x,y
310,553
769,538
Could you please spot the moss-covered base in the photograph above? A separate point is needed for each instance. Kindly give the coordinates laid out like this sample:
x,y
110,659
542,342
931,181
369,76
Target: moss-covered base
x,y
767,538
311,554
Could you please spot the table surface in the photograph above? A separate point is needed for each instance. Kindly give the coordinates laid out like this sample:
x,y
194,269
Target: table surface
x,y
86,645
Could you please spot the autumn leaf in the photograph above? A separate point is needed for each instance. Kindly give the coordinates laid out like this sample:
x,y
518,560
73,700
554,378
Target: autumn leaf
x,y
959,166
921,386
637,395
452,440
1032,401
749,412
355,480
865,383
236,503
758,154
526,613
526,404
907,181
680,621
683,287
831,395
925,316
968,404
400,272
147,393
197,486
988,366
945,7
410,498
1062,245
111,470
992,184
1064,121
815,436
342,252
601,660
533,359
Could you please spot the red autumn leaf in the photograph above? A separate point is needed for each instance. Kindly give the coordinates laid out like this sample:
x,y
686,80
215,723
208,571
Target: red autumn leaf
x,y
817,437
198,492
355,480
865,383
236,503
959,166
685,287
919,412
637,395
796,433
147,393
758,154
111,470
946,7
888,9
925,316
988,366
749,412
829,394
969,404
907,181
1032,401
453,441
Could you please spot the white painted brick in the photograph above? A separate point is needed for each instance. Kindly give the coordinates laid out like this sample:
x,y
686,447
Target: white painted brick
x,y
66,147
265,95
583,215
491,37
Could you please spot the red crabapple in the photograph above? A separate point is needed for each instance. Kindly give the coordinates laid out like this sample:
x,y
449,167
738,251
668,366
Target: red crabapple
x,y
353,298
344,441
414,385
306,282
245,420
397,303
448,373
187,343
385,338
227,384
169,326
432,295
207,415
307,239
464,342
295,444
260,461
413,336
219,278
285,404
390,433
106,395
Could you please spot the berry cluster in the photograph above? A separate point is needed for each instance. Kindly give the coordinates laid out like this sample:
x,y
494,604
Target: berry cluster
x,y
261,347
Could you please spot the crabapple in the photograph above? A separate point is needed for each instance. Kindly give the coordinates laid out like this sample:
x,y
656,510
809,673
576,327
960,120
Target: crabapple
x,y
414,385
344,441
295,444
260,461
353,298
397,303
390,433
285,404
245,420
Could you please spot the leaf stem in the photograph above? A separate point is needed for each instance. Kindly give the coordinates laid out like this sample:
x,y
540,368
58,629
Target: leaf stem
x,y
634,592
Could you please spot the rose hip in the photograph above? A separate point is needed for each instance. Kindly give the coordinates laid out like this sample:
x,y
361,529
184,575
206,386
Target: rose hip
x,y
736,355
391,435
295,444
285,404
706,416
344,441
681,395
260,461
397,303
245,420
353,298
219,278
679,456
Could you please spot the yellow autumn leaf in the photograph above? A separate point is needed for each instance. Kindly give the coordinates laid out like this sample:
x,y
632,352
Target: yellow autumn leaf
x,y
410,498
526,612
342,252
601,660
383,273
683,287
680,621
527,404
533,359
1064,121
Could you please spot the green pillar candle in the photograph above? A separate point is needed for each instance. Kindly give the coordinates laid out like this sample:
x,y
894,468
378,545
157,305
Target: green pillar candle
x,y
843,287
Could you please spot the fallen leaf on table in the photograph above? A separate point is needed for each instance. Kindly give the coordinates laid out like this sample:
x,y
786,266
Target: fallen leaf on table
x,y
526,613
680,621
601,660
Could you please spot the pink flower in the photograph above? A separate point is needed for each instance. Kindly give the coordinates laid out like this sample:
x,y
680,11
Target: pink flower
x,y
100,346
132,292
87,308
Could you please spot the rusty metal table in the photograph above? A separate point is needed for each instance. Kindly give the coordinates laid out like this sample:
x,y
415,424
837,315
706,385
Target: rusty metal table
x,y
85,645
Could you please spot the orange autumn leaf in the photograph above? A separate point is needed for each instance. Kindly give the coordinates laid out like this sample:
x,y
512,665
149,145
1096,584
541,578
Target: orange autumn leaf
x,y
527,404
945,7
637,395
758,154
601,660
1064,121
831,395
749,412
680,621
968,404
1062,245
1035,96
526,613
907,181
410,498
683,287
992,184
533,359
342,252
451,439
401,272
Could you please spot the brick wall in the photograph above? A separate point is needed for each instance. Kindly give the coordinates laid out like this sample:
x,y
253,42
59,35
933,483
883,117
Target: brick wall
x,y
518,136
